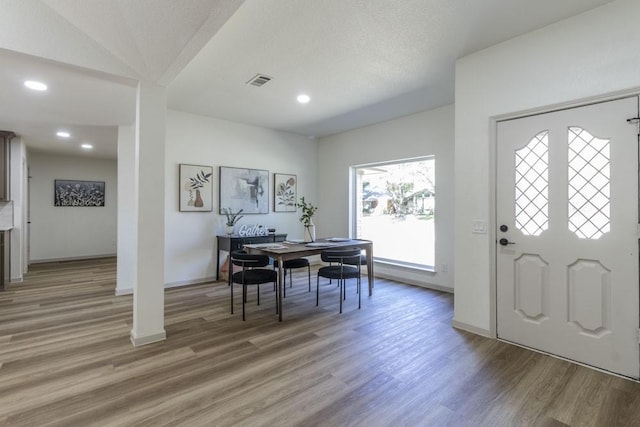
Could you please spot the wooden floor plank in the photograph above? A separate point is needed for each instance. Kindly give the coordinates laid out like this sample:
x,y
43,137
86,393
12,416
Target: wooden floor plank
x,y
66,360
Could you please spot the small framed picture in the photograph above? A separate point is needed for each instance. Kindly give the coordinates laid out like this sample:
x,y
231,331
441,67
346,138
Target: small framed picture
x,y
284,192
196,188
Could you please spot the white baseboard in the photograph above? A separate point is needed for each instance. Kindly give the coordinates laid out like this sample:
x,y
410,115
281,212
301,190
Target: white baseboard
x,y
410,281
129,291
78,258
190,282
138,341
470,328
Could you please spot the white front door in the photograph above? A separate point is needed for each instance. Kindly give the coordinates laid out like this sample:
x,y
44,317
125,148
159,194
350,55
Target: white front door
x,y
567,231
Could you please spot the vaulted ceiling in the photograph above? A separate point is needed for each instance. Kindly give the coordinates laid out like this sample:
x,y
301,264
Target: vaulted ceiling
x,y
360,61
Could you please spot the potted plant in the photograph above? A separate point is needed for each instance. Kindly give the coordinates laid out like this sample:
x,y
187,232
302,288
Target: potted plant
x,y
232,218
308,210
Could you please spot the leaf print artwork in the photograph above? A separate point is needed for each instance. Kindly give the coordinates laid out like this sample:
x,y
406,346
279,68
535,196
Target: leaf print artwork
x,y
285,193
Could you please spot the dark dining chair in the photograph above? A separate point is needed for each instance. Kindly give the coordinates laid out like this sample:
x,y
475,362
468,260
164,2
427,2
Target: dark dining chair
x,y
344,264
293,264
362,260
252,273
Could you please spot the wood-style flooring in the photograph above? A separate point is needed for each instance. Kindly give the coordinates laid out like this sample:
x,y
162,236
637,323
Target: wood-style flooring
x,y
66,360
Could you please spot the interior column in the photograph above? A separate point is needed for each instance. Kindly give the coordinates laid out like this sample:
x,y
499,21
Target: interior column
x,y
148,289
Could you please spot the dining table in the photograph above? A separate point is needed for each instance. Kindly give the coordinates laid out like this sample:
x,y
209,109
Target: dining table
x,y
291,249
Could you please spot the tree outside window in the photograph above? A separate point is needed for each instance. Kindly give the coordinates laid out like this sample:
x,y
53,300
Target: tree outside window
x,y
395,204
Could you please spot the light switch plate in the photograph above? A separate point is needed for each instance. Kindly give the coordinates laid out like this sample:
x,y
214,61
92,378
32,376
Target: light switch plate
x,y
479,226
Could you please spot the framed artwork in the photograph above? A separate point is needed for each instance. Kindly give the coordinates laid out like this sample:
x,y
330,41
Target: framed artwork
x,y
284,192
70,192
245,189
196,188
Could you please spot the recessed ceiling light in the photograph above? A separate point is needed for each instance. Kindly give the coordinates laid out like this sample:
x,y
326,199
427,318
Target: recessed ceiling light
x,y
34,85
87,146
303,99
63,134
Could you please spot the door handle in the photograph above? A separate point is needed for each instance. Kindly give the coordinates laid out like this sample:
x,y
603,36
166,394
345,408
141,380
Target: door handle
x,y
505,242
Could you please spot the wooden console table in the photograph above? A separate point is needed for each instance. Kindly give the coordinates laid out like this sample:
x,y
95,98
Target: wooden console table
x,y
235,243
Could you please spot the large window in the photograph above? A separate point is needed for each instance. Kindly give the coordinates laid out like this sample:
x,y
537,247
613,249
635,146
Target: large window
x,y
394,207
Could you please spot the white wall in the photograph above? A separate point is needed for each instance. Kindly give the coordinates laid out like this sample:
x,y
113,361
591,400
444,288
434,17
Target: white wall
x,y
422,134
591,55
19,195
59,233
190,239
127,214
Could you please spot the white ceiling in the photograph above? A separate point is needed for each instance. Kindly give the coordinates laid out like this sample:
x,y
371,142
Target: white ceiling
x,y
361,61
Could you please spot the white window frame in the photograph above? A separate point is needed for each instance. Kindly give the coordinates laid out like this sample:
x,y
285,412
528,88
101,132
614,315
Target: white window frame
x,y
354,206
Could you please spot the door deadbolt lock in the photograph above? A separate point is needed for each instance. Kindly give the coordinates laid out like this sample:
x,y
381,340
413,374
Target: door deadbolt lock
x,y
504,228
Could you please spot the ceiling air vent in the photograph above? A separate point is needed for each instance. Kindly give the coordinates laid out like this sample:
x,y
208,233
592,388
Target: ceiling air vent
x,y
259,80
